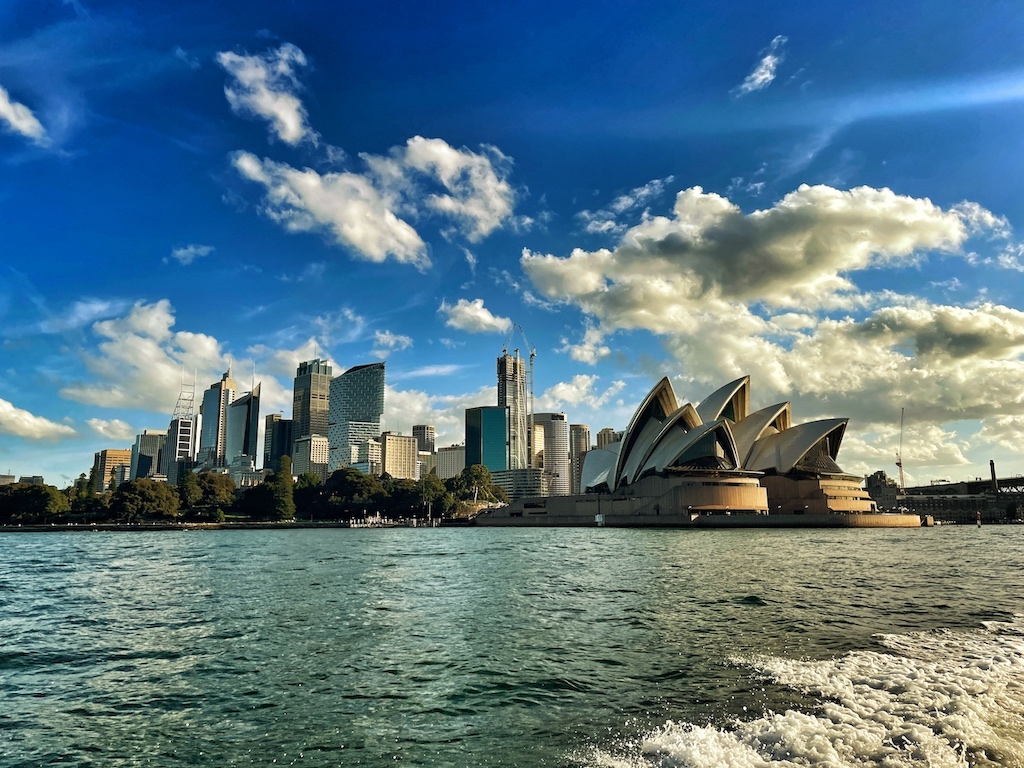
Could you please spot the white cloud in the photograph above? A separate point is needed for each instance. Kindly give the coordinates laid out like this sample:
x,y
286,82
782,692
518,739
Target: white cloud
x,y
796,254
590,349
189,253
21,120
386,342
404,408
113,429
312,272
139,359
264,86
578,391
344,205
474,317
605,220
474,190
764,72
22,423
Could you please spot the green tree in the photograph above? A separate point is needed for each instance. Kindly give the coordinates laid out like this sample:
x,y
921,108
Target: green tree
x,y
432,490
144,499
25,503
189,491
217,490
282,492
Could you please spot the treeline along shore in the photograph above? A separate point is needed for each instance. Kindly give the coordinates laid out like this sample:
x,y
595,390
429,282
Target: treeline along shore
x,y
208,499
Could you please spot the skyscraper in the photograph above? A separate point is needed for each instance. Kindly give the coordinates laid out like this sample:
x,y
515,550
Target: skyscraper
x,y
556,452
398,456
579,444
607,436
424,434
243,424
357,405
214,410
146,453
105,464
310,399
512,394
487,437
278,441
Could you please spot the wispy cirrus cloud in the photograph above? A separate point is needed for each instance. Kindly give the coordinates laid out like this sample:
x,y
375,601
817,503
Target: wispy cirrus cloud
x,y
386,342
764,72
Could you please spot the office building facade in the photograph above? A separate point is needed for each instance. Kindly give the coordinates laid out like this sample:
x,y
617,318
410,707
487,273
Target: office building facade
x,y
579,444
356,409
214,410
278,441
555,460
399,456
243,424
311,396
512,394
487,437
146,453
425,435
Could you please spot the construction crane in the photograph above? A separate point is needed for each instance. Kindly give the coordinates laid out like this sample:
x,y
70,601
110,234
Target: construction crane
x,y
899,456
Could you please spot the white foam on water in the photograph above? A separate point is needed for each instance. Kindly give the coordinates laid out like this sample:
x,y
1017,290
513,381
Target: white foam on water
x,y
945,698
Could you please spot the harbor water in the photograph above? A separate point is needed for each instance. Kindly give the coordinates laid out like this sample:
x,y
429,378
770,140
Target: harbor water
x,y
513,647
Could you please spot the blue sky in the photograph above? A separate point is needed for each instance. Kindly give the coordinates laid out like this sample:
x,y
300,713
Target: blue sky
x,y
824,196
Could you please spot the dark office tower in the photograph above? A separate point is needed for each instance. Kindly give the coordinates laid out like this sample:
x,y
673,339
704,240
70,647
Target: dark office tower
x,y
311,399
424,434
512,393
243,426
214,410
277,441
146,453
357,405
487,437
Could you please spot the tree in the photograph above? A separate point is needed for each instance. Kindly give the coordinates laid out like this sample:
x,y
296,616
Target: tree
x,y
144,498
217,490
431,490
189,491
282,494
22,502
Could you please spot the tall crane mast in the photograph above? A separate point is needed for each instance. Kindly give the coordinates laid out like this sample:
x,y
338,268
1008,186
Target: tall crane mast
x,y
899,456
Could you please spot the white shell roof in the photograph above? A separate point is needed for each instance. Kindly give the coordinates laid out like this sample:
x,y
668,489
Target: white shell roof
x,y
659,404
683,420
669,450
598,465
758,425
784,450
715,405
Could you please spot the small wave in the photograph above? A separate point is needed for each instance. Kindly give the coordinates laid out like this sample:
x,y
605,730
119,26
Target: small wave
x,y
944,698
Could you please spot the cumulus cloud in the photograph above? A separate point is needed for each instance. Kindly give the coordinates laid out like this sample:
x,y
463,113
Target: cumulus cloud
x,y
386,342
19,119
403,408
794,254
113,429
21,423
139,358
474,190
189,253
580,390
590,349
474,317
345,206
369,213
764,72
264,86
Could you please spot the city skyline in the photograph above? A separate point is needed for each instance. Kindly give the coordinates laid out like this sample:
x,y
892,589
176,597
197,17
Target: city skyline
x,y
822,198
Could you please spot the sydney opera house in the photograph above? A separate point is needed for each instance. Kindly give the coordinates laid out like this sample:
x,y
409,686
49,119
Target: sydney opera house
x,y
711,465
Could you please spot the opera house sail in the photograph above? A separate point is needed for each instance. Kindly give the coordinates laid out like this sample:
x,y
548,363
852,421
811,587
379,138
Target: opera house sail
x,y
714,464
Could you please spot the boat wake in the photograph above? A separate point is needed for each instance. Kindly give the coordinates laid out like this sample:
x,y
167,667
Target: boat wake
x,y
943,698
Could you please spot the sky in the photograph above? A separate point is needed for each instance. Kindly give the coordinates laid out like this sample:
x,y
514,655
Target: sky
x,y
827,197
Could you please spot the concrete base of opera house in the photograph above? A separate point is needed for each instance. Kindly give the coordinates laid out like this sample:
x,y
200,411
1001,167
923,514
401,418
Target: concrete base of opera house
x,y
699,521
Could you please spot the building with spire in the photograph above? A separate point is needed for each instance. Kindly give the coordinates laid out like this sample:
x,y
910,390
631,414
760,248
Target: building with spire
x,y
214,410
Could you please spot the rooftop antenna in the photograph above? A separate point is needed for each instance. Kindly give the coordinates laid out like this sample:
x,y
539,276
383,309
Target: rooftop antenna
x,y
899,456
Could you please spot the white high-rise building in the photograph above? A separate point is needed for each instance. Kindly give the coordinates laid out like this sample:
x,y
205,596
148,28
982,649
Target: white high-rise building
x,y
579,444
399,456
556,452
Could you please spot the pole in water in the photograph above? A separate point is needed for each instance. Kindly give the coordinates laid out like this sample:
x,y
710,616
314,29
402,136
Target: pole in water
x,y
979,518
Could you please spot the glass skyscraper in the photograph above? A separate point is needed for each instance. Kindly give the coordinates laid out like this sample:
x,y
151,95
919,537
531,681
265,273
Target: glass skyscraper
x,y
214,410
356,408
310,399
243,427
487,437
